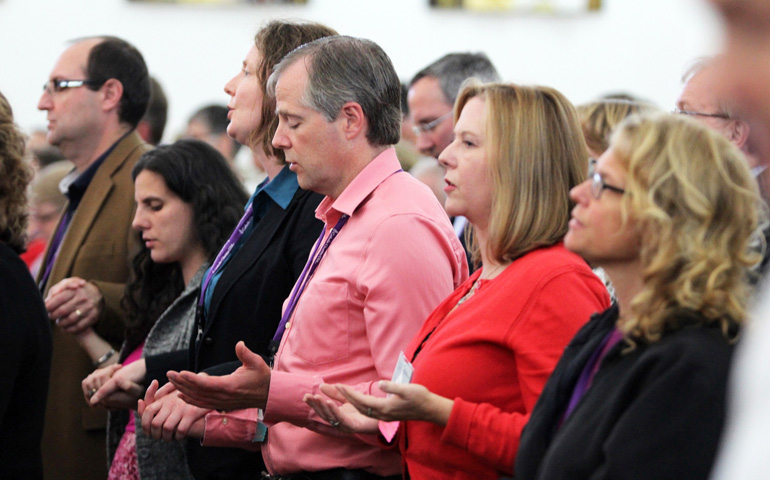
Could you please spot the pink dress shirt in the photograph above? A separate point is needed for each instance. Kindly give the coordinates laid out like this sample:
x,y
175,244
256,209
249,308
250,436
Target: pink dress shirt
x,y
393,262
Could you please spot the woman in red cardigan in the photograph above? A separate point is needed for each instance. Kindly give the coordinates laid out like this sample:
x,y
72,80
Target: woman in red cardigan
x,y
483,356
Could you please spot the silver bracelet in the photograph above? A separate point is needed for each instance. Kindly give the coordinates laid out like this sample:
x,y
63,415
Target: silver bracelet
x,y
105,357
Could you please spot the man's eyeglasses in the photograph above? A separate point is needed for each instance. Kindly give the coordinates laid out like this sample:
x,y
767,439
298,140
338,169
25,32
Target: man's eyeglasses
x,y
429,126
678,111
57,84
597,182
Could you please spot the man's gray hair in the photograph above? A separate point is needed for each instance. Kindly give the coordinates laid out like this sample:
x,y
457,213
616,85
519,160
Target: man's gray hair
x,y
726,106
345,69
453,69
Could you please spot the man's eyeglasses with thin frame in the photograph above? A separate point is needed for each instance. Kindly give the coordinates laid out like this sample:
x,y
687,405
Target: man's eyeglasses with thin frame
x,y
58,84
598,185
426,127
678,111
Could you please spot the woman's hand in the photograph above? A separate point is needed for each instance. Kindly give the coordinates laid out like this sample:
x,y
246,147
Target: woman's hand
x,y
355,411
93,382
123,388
406,402
340,414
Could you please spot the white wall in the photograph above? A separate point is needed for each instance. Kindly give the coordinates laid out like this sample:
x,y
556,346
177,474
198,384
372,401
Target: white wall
x,y
641,46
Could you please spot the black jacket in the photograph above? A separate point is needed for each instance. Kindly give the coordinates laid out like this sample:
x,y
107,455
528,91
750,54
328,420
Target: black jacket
x,y
25,365
655,412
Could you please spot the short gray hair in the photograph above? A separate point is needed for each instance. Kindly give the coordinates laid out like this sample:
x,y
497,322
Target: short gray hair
x,y
453,69
345,69
726,106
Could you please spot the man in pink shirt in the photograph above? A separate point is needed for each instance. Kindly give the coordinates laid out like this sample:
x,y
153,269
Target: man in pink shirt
x,y
387,257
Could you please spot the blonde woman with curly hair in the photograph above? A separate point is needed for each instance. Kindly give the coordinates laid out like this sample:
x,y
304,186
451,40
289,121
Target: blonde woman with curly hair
x,y
669,213
25,337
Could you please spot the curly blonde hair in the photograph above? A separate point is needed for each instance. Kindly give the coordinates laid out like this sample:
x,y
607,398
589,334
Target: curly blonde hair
x,y
696,207
15,175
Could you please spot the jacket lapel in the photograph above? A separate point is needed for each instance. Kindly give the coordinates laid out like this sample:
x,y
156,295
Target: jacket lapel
x,y
248,255
90,206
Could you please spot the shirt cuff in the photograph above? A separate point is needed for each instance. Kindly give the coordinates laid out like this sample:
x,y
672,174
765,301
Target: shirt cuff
x,y
284,402
232,429
458,428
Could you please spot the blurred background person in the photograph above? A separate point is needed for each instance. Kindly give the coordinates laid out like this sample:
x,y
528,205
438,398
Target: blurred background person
x,y
153,123
188,201
25,334
46,203
640,392
209,124
599,118
482,357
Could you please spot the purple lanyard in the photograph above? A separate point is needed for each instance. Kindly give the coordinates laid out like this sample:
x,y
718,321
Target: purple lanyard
x,y
55,247
590,369
303,280
243,224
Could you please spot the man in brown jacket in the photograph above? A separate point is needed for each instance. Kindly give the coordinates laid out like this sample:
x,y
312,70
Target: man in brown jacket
x,y
96,94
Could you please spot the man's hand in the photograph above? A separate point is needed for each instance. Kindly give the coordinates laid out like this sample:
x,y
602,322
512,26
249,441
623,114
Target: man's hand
x,y
247,387
167,417
123,388
74,304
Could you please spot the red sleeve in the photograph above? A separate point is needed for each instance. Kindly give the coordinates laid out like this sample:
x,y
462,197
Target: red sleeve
x,y
538,337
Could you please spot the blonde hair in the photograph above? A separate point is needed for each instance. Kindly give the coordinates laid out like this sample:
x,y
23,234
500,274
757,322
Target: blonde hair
x,y
15,175
696,207
598,119
536,154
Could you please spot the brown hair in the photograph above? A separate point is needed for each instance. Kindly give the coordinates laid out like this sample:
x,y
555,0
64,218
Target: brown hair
x,y
274,41
15,175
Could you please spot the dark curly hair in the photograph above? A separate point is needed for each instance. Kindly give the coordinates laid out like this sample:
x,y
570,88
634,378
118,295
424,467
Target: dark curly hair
x,y
15,175
200,176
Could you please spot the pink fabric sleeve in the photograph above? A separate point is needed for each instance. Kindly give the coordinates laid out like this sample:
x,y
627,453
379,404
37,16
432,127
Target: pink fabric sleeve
x,y
232,429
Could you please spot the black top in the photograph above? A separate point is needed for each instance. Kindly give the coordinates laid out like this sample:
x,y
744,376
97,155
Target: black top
x,y
655,412
25,365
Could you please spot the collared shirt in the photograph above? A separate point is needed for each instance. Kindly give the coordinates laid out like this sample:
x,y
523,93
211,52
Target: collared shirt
x,y
280,190
74,186
392,263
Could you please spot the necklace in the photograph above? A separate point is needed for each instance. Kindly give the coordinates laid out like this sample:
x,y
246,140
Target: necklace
x,y
470,293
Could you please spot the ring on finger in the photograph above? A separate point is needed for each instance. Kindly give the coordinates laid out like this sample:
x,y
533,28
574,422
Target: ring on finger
x,y
334,423
91,392
369,412
78,313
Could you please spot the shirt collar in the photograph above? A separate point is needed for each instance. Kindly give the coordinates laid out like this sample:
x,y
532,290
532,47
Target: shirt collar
x,y
377,171
281,189
74,186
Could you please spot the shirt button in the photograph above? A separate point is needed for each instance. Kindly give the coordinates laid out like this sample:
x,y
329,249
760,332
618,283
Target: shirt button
x,y
224,421
288,325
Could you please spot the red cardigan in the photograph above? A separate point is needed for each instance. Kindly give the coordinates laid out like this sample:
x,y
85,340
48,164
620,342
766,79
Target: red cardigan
x,y
493,355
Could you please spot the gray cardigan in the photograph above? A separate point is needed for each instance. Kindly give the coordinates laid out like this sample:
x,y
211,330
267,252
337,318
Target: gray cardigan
x,y
158,459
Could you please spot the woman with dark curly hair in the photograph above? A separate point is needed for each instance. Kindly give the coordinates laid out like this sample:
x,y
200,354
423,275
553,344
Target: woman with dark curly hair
x,y
669,213
25,336
188,201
